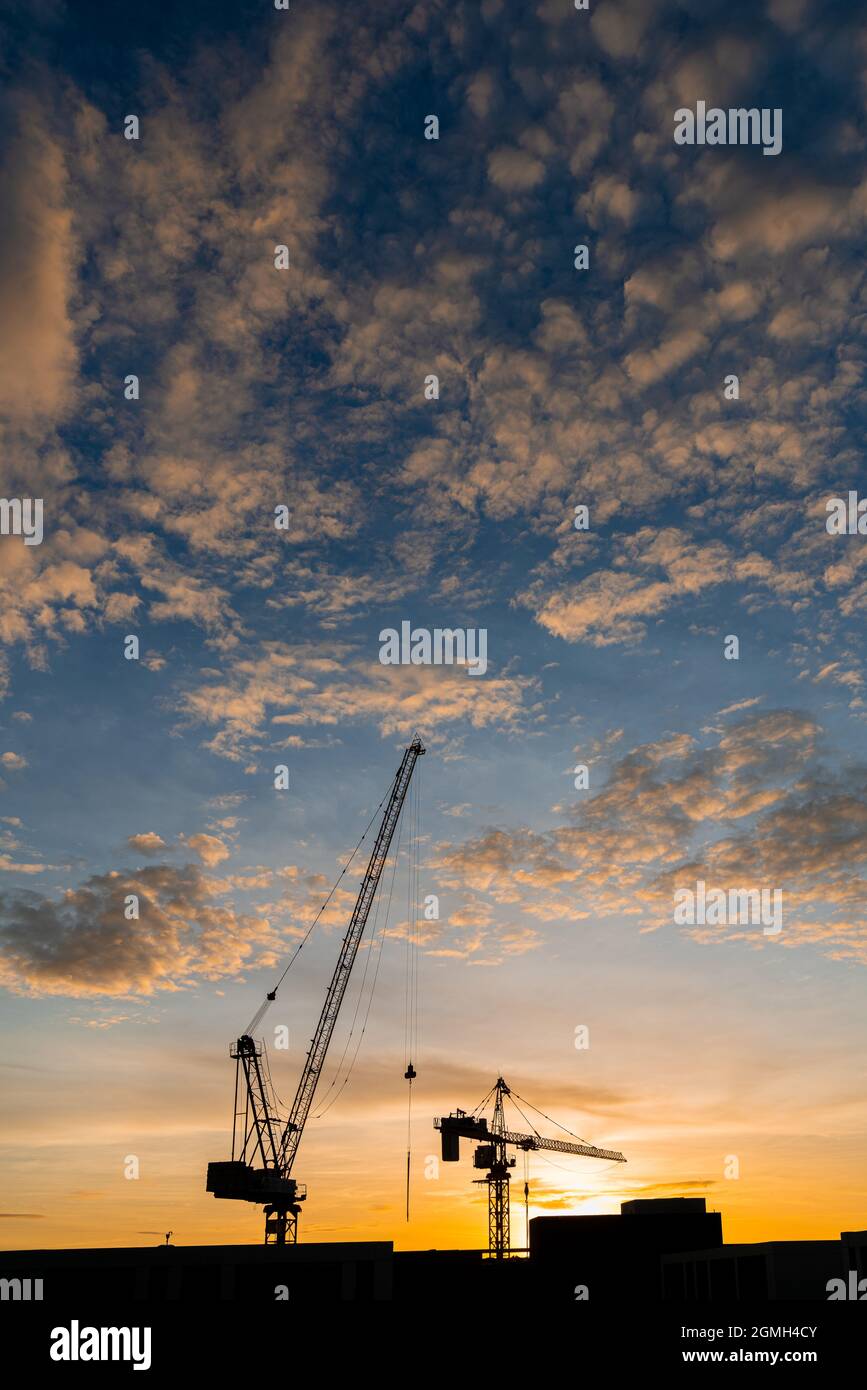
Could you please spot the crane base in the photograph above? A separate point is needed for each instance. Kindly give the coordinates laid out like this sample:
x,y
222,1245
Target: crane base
x,y
281,1225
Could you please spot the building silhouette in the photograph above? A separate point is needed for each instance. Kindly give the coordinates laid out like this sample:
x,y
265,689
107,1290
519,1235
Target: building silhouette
x,y
659,1250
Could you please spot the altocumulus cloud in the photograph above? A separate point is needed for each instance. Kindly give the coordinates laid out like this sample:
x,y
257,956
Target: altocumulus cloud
x,y
753,806
81,944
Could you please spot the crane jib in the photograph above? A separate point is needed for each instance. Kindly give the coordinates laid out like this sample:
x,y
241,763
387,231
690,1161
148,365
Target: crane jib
x,y
337,988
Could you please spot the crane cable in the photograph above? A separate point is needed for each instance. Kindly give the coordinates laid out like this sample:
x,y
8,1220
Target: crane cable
x,y
411,972
525,1118
526,1173
483,1102
551,1121
560,1166
271,996
327,1106
527,1199
411,991
351,1034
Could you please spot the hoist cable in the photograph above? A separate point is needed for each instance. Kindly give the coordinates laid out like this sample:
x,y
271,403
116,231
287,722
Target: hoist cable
x,y
261,1011
337,1069
408,1143
370,1000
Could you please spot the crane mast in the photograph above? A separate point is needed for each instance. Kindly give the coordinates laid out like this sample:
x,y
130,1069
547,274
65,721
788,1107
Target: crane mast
x,y
259,1133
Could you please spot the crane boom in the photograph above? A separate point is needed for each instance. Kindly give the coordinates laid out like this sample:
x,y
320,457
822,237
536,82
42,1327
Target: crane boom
x,y
561,1146
467,1127
337,988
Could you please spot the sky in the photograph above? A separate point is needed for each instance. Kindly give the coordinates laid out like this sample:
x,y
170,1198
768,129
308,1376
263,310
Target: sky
x,y
724,1061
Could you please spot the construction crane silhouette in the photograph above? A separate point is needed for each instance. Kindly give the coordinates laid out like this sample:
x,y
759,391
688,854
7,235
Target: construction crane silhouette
x,y
168,1234
260,1133
491,1155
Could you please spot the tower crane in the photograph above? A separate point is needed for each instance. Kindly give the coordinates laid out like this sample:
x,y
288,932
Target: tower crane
x,y
491,1155
265,1144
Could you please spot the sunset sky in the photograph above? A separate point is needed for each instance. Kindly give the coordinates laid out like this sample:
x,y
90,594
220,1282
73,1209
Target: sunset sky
x,y
305,388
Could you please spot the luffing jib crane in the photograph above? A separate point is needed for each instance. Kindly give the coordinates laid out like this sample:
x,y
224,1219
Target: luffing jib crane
x,y
491,1155
261,1136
